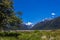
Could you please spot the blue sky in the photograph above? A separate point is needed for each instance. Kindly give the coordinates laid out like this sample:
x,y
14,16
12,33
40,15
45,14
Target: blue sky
x,y
36,10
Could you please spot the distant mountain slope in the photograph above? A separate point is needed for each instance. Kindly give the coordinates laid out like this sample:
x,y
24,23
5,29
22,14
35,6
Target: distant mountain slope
x,y
48,24
23,27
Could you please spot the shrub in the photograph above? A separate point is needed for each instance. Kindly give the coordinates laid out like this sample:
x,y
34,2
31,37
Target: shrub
x,y
9,34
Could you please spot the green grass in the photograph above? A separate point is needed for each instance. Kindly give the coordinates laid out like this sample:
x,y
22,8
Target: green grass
x,y
34,35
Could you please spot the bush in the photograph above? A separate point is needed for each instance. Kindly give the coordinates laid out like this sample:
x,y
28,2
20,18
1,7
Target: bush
x,y
9,34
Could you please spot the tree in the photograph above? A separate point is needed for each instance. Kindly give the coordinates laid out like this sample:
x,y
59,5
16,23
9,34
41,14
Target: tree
x,y
7,14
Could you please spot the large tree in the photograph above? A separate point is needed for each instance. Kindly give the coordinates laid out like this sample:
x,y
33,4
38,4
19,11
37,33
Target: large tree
x,y
7,14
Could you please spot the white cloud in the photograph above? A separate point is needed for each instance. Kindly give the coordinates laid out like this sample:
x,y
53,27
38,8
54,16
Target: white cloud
x,y
53,14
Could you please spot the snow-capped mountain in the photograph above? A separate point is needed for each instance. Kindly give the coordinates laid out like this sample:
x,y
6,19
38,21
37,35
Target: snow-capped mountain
x,y
29,25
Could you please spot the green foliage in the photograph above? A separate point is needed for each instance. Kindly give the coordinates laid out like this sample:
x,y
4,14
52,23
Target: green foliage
x,y
9,34
39,35
7,15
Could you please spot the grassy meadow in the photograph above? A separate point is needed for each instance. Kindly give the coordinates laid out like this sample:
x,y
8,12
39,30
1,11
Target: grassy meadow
x,y
31,35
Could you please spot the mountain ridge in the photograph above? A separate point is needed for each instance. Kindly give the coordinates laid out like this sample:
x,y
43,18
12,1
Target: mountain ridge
x,y
48,24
